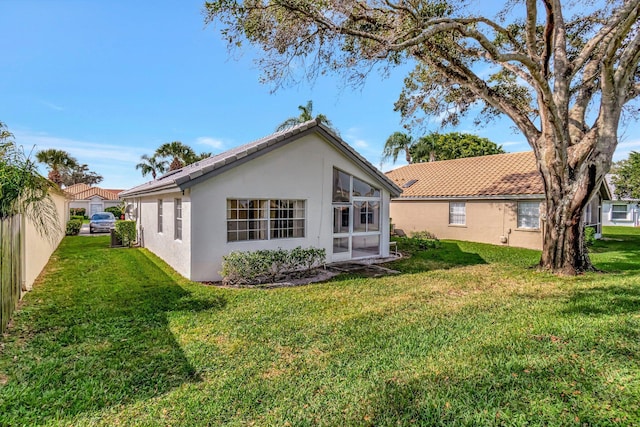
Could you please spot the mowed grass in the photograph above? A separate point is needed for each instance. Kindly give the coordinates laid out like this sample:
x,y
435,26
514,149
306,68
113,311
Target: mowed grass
x,y
468,334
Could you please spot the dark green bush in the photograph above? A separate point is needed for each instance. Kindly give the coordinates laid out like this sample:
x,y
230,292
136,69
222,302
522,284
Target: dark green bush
x,y
589,236
419,241
115,210
73,227
126,231
78,217
263,266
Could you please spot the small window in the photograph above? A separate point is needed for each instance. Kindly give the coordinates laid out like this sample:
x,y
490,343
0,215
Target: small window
x,y
159,215
529,215
457,213
177,219
619,212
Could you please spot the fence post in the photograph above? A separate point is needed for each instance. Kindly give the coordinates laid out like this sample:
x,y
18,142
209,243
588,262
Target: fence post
x,y
10,267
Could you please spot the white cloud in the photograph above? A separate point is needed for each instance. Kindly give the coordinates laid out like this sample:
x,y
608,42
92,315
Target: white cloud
x,y
51,105
212,142
82,150
360,143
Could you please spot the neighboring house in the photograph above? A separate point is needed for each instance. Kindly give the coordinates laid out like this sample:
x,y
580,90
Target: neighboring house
x,y
92,199
490,199
301,187
619,211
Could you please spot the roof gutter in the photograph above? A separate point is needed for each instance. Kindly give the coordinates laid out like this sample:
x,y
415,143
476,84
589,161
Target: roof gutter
x,y
491,197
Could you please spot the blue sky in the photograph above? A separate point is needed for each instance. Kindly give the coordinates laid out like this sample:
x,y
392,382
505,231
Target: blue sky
x,y
110,81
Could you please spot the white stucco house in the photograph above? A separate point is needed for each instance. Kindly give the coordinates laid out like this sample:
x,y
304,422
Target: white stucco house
x,y
301,187
92,199
617,211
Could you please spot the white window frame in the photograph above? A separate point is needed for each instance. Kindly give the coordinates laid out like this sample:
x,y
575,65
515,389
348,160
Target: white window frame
x,y
270,221
177,219
626,212
347,200
460,217
521,216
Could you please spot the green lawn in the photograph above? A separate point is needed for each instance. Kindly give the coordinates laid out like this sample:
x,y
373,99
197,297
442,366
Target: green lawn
x,y
468,334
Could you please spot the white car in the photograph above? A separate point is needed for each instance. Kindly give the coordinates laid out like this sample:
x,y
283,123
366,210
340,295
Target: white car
x,y
102,221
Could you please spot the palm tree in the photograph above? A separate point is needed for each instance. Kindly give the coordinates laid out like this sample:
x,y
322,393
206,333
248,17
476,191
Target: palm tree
x,y
180,153
151,165
396,143
306,114
23,189
58,161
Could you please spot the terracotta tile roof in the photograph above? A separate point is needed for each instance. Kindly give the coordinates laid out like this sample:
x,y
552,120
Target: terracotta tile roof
x,y
510,174
85,192
77,188
219,163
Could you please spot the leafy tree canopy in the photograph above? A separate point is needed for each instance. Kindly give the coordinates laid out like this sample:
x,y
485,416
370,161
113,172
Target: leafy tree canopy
x,y
454,145
65,169
627,177
563,72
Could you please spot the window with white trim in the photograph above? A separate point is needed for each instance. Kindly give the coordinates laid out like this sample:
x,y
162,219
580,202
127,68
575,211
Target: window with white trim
x,y
177,219
529,215
265,219
619,212
457,213
159,215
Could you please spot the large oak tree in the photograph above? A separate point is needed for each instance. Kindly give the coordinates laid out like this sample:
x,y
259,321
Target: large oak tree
x,y
563,77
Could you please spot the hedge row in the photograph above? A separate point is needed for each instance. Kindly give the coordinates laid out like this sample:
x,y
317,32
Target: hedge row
x,y
267,266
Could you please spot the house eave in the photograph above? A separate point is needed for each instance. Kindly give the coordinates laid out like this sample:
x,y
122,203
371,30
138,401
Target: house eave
x,y
471,197
167,188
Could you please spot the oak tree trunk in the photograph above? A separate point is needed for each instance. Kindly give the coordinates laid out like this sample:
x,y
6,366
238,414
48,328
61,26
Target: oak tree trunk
x,y
568,191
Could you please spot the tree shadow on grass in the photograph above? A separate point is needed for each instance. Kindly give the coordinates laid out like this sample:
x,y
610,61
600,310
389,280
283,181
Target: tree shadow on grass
x,y
97,339
617,252
552,394
448,255
610,300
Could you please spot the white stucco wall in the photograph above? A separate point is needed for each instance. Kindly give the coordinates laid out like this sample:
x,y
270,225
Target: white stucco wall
x,y
100,204
38,248
175,252
633,214
300,170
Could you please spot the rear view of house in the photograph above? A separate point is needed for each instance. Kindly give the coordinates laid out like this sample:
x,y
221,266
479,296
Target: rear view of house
x,y
300,187
490,199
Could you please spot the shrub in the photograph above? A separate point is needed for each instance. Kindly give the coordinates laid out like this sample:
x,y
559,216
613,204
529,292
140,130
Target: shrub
x,y
589,236
73,227
126,232
78,212
115,210
424,235
419,241
78,217
243,268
